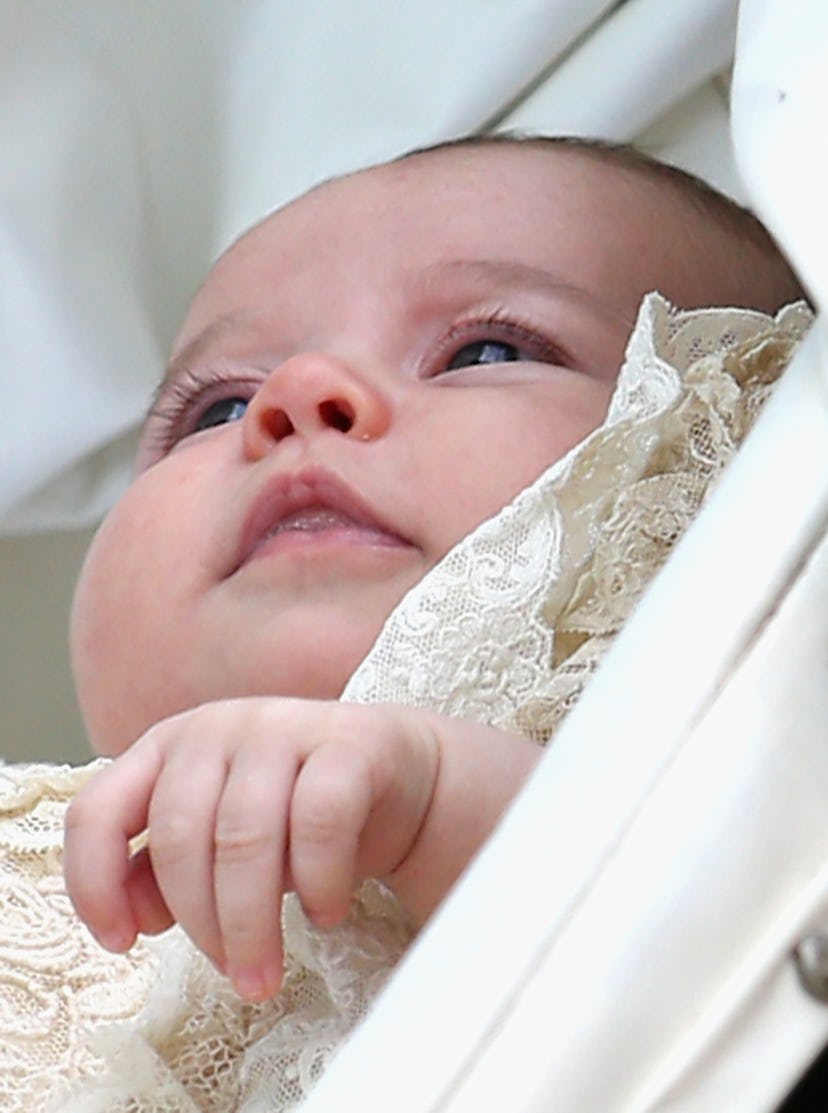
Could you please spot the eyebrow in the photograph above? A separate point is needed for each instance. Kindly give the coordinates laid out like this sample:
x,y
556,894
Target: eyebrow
x,y
499,273
192,350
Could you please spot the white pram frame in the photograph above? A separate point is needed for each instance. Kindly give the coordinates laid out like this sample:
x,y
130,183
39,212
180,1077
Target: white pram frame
x,y
682,840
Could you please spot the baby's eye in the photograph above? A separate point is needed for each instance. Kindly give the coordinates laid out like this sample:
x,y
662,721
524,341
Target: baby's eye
x,y
493,340
484,351
192,402
220,413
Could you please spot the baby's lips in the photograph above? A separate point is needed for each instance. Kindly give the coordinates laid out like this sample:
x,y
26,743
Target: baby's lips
x,y
312,499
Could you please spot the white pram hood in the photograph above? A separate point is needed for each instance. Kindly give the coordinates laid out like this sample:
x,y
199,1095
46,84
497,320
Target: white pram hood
x,y
138,141
127,169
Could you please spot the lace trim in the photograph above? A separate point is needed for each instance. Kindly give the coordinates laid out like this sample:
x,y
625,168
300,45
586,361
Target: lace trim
x,y
515,620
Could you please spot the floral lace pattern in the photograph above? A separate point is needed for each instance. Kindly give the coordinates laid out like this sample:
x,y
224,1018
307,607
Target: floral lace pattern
x,y
56,984
509,627
507,630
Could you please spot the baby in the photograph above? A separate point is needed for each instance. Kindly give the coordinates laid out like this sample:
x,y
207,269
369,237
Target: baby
x,y
364,377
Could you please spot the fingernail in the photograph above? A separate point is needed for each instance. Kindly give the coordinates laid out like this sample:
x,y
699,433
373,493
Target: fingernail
x,y
254,984
117,941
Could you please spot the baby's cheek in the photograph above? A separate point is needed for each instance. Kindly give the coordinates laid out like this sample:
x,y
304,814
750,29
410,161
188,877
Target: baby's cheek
x,y
111,611
94,613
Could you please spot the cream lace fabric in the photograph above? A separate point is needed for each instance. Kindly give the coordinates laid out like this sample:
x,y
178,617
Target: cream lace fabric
x,y
507,630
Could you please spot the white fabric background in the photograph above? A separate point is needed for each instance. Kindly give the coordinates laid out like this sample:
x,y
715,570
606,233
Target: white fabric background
x,y
137,139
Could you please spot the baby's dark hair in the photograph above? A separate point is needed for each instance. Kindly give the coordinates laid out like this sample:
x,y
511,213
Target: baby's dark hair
x,y
733,219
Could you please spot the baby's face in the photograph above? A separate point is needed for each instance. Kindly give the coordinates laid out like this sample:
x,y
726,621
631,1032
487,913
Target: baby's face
x,y
363,379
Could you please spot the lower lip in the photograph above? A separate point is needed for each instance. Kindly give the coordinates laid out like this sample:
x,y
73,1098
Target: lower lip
x,y
309,542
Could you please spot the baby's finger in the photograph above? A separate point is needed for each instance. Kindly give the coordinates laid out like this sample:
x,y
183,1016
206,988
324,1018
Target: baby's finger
x,y
332,802
148,905
250,838
181,825
107,813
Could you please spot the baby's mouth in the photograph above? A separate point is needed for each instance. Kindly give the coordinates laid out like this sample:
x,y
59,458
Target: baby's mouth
x,y
313,520
312,508
306,525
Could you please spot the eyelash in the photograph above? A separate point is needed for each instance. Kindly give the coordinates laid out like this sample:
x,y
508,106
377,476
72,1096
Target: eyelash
x,y
503,325
178,406
183,400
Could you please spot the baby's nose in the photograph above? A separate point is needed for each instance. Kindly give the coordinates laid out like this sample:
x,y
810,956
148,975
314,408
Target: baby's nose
x,y
312,393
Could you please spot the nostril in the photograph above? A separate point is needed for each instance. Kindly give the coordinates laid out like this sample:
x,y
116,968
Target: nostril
x,y
337,414
278,424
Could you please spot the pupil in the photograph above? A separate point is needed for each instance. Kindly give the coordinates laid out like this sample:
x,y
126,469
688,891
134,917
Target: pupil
x,y
484,351
226,409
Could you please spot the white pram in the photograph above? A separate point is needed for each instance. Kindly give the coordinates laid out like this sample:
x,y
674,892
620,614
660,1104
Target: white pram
x,y
707,814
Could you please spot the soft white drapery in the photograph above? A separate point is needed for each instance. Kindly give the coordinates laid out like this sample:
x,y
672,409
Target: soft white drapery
x,y
138,140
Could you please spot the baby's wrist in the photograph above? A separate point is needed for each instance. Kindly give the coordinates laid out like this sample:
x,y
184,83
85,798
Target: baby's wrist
x,y
481,771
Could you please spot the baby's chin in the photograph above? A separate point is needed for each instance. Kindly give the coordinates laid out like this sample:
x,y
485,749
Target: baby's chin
x,y
130,676
114,724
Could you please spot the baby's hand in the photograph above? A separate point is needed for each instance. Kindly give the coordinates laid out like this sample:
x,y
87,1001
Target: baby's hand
x,y
246,799
243,800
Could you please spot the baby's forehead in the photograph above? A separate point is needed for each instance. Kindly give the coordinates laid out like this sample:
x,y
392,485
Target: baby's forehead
x,y
591,220
426,190
465,161
472,181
